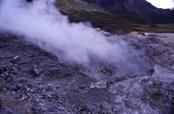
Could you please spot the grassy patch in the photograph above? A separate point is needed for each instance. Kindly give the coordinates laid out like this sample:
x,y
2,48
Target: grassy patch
x,y
155,28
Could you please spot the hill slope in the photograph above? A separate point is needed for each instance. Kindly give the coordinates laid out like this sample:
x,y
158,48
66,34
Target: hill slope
x,y
137,8
111,17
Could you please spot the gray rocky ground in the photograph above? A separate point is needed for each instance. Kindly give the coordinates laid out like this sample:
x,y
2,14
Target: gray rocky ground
x,y
33,81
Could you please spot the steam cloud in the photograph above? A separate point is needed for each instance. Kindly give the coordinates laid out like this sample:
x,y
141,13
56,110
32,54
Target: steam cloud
x,y
42,23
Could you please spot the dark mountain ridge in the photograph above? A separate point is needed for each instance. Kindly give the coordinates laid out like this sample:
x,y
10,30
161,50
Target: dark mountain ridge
x,y
140,9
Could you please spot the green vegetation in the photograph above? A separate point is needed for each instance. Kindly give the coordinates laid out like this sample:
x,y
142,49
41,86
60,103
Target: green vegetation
x,y
155,28
78,5
78,10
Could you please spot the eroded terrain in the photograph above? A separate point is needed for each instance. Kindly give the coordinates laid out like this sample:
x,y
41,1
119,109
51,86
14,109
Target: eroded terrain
x,y
33,81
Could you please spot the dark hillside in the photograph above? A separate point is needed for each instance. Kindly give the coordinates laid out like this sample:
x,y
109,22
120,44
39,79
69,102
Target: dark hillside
x,y
115,15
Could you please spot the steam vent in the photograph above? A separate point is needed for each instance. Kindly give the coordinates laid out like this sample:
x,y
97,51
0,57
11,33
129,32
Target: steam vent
x,y
86,57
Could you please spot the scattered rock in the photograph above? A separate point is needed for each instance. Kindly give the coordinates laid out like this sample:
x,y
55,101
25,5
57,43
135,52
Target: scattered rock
x,y
104,70
99,85
3,70
63,88
15,59
35,70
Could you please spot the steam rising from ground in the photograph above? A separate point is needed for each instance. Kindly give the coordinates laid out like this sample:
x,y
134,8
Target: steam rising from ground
x,y
41,23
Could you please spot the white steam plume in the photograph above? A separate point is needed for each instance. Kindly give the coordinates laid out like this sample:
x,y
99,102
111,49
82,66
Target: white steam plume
x,y
41,23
